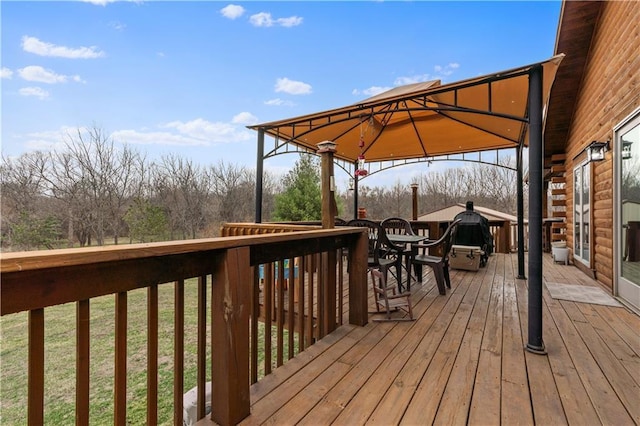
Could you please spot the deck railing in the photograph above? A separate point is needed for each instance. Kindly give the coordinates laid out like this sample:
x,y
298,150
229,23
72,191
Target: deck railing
x,y
240,295
504,232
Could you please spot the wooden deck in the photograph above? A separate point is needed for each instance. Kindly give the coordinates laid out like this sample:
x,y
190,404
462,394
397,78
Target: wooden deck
x,y
463,361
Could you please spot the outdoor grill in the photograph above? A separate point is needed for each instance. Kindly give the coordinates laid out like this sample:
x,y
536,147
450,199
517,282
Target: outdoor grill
x,y
473,230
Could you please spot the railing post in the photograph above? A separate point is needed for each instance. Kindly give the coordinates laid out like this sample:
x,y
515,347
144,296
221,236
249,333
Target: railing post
x,y
414,201
505,237
358,297
326,150
230,305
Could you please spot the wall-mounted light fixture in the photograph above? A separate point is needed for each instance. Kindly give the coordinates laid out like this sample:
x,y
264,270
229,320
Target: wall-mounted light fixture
x,y
351,184
596,150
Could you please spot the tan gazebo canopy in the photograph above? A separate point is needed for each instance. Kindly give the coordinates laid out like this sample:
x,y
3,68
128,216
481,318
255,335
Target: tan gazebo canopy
x,y
424,119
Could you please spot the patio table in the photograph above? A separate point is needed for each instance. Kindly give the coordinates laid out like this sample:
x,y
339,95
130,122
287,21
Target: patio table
x,y
409,239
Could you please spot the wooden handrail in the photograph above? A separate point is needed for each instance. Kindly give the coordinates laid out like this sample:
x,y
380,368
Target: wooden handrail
x,y
33,281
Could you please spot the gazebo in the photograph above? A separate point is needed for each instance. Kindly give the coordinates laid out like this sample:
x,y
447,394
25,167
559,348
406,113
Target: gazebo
x,y
424,121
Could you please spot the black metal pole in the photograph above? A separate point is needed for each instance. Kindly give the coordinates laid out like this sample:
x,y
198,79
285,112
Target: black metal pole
x,y
356,180
535,343
520,190
355,196
259,178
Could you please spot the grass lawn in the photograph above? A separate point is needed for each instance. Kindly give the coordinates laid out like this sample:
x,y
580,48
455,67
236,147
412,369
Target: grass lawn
x,y
60,359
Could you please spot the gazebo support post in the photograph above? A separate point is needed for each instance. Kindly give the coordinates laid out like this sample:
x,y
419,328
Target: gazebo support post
x,y
520,190
259,171
414,201
356,181
535,343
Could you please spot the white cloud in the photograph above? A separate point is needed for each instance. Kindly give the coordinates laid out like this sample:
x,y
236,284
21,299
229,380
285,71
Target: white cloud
x,y
401,81
41,48
156,138
292,87
292,21
99,2
48,140
278,102
208,131
232,11
106,2
38,92
440,72
371,91
245,118
117,25
6,73
264,19
41,75
446,70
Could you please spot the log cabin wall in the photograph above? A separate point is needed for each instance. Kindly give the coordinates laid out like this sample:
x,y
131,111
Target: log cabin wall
x,y
609,92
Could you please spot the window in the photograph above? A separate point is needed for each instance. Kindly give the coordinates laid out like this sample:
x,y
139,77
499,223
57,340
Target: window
x,y
582,211
627,209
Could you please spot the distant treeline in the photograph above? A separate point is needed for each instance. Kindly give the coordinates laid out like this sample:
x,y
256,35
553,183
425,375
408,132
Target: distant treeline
x,y
94,192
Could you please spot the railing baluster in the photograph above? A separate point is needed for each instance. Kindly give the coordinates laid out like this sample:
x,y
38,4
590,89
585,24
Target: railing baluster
x,y
280,314
36,367
178,352
340,295
321,300
330,291
255,316
311,264
120,392
290,309
152,354
268,309
201,378
82,362
301,303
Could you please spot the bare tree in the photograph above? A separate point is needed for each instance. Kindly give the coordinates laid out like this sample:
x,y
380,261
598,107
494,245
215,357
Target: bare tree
x,y
233,189
22,182
125,181
182,189
25,204
487,185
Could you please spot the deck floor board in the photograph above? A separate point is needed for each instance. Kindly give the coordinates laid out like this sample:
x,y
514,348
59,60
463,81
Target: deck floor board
x,y
463,361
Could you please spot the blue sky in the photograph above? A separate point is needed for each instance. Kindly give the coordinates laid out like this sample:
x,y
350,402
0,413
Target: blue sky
x,y
186,77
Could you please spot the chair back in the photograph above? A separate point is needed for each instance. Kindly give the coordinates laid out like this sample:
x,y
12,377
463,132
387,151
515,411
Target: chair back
x,y
397,225
446,240
374,230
